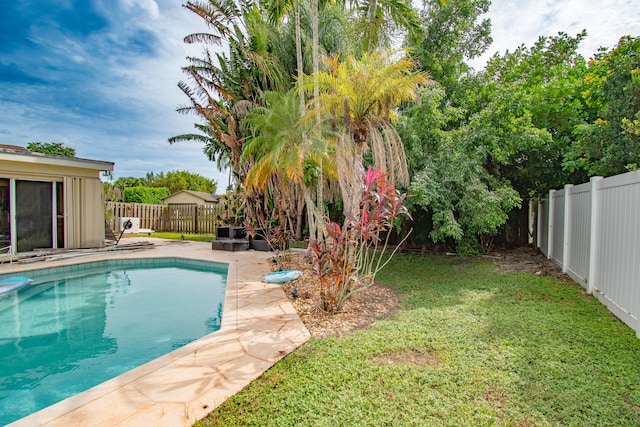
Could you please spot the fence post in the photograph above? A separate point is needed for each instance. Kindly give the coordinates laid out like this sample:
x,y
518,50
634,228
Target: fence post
x,y
531,224
566,238
195,219
539,220
594,240
550,224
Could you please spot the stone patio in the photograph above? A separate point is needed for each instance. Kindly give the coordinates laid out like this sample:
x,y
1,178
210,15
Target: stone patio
x,y
259,327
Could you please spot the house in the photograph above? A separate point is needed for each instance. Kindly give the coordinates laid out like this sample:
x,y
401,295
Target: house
x,y
188,197
50,201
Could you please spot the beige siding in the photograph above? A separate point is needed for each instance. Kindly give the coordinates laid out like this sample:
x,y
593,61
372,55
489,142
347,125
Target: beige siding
x,y
83,213
93,213
183,199
72,224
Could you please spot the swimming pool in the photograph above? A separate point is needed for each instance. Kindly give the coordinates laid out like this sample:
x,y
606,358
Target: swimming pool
x,y
77,326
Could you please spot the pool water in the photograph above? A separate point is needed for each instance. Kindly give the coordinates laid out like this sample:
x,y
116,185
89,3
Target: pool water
x,y
75,329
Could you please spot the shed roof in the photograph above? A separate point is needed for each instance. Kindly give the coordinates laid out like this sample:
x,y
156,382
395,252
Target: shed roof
x,y
21,154
207,197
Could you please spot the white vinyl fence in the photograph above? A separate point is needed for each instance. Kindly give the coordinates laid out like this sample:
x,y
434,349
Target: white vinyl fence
x,y
592,230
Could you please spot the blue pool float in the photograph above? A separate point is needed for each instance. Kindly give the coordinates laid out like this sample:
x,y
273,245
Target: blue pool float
x,y
11,284
282,276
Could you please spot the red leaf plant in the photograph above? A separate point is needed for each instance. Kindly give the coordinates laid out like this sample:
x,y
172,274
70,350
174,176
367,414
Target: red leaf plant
x,y
349,258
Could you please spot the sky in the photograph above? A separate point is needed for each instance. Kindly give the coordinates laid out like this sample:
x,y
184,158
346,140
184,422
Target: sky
x,y
516,22
101,76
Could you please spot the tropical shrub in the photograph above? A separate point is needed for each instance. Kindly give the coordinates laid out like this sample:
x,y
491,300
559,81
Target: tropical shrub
x,y
348,260
456,199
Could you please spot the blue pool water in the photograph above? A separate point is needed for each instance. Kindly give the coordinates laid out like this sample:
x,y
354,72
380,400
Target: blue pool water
x,y
78,326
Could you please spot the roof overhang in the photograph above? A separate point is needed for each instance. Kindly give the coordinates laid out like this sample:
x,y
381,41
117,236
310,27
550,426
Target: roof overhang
x,y
50,159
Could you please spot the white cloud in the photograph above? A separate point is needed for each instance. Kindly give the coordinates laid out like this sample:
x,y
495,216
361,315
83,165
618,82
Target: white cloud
x,y
516,22
149,6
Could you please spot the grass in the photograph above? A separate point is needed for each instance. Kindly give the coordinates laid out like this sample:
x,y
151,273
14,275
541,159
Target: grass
x,y
174,236
198,237
471,347
298,244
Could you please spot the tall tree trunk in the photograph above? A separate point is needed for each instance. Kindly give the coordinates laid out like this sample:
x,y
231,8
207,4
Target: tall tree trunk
x,y
371,16
316,95
311,214
299,64
299,213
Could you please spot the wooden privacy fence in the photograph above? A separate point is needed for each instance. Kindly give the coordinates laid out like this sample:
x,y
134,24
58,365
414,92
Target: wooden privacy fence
x,y
187,218
592,231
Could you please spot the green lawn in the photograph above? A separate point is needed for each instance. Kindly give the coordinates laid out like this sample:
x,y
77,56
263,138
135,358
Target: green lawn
x,y
174,236
471,347
197,237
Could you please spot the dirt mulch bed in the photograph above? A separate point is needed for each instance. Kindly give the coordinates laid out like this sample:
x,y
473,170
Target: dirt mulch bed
x,y
526,259
358,312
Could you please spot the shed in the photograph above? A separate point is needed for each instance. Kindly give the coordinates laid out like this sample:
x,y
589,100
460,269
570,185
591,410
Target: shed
x,y
49,201
189,197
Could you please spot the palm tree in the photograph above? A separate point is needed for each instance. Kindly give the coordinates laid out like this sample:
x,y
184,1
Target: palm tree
x,y
379,24
276,9
285,158
219,153
215,152
361,97
222,88
220,130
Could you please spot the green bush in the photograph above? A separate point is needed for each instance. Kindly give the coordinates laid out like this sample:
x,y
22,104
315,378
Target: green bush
x,y
145,195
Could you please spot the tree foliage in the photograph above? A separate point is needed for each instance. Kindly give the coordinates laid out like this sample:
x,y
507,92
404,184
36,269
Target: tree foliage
x,y
126,182
286,159
456,198
56,148
149,195
484,141
453,33
181,180
280,146
473,146
361,97
533,103
608,142
223,86
258,59
154,187
379,24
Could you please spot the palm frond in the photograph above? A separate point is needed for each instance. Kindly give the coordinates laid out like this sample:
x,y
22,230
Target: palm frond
x,y
219,15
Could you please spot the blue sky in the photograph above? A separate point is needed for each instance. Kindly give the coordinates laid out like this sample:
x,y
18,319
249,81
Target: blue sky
x,y
101,75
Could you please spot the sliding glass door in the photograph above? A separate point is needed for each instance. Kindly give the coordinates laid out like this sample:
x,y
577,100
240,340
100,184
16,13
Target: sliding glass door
x,y
5,216
34,215
31,215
